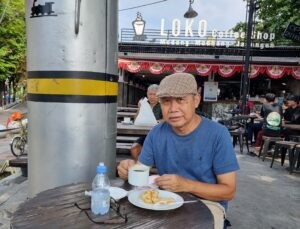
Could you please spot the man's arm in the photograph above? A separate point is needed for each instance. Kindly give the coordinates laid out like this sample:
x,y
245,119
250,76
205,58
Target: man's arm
x,y
223,190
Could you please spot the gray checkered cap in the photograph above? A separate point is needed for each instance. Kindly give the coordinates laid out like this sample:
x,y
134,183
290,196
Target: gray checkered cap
x,y
177,85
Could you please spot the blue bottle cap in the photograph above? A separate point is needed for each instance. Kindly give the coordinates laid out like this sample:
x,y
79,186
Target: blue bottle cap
x,y
101,168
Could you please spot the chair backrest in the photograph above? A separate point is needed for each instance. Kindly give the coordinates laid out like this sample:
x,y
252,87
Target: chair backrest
x,y
235,123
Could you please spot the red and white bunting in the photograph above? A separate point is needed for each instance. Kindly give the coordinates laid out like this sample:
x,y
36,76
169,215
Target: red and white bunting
x,y
227,70
179,67
254,71
156,68
275,71
203,69
296,72
134,66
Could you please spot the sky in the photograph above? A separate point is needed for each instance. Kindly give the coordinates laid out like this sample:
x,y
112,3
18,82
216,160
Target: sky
x,y
219,14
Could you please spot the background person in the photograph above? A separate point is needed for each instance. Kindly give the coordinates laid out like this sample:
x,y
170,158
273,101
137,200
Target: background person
x,y
292,115
153,101
191,153
272,123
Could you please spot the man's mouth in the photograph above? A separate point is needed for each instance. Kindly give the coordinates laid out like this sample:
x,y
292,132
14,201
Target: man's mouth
x,y
174,119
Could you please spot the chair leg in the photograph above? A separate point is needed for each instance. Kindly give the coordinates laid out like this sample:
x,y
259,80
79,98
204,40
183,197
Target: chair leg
x,y
247,144
233,141
292,159
275,154
265,149
297,157
245,139
241,142
283,154
261,147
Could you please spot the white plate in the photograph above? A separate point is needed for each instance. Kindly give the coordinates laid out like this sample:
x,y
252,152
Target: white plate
x,y
134,197
117,193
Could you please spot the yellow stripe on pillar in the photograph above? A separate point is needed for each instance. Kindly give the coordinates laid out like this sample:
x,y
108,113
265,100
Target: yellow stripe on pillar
x,y
72,86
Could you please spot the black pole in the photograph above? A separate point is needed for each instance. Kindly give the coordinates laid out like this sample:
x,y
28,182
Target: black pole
x,y
245,75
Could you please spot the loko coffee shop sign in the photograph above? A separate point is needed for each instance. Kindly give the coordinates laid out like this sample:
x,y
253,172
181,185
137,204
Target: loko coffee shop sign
x,y
182,33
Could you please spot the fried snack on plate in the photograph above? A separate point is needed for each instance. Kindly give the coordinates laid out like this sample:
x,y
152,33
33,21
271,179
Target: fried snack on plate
x,y
151,197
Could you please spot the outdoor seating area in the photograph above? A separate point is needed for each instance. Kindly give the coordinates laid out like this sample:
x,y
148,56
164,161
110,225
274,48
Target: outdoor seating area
x,y
271,147
254,176
251,167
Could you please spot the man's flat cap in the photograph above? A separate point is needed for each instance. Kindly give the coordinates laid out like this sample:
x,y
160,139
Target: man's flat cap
x,y
177,85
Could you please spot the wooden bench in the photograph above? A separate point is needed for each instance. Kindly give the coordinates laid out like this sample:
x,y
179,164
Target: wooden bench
x,y
128,139
22,163
124,144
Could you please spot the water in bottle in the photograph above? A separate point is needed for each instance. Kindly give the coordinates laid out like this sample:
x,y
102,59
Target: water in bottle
x,y
100,191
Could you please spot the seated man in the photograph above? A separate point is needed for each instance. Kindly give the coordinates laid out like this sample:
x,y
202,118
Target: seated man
x,y
272,123
153,101
292,115
191,153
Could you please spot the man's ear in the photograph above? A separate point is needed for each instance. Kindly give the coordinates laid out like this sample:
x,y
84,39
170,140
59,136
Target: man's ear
x,y
197,99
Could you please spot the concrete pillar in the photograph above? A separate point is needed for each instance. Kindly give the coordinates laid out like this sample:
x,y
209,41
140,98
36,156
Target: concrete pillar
x,y
72,90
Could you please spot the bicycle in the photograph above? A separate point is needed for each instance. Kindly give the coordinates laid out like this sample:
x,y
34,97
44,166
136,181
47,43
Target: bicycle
x,y
18,143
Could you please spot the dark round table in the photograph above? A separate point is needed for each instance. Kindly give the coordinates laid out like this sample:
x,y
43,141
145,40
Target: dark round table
x,y
55,209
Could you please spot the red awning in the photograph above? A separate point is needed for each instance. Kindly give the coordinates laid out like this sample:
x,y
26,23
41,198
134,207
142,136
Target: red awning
x,y
205,69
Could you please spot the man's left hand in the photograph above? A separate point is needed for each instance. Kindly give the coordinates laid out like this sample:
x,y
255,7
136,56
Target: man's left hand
x,y
171,182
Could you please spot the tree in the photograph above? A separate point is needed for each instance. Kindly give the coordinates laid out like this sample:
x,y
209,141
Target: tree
x,y
12,39
273,16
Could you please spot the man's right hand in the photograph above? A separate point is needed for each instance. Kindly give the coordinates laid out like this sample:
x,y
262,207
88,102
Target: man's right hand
x,y
123,168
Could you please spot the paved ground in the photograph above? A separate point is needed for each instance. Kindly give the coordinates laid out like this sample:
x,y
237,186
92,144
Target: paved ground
x,y
267,198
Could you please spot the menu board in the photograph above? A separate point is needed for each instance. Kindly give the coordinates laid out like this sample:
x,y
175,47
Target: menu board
x,y
210,91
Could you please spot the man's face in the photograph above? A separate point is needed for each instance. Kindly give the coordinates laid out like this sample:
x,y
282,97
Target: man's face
x,y
152,98
179,112
291,103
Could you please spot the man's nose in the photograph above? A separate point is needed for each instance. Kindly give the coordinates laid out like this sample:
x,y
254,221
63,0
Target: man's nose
x,y
173,105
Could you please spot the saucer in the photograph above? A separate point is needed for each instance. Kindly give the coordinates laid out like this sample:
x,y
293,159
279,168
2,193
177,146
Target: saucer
x,y
117,193
127,123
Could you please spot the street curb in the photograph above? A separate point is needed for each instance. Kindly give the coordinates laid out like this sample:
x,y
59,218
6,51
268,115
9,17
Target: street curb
x,y
8,106
11,177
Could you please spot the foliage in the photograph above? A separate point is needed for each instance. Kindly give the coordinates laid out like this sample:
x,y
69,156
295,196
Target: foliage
x,y
273,16
12,39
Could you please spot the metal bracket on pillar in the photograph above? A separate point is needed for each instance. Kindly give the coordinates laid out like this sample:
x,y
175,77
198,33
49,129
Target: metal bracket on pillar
x,y
211,77
77,16
121,76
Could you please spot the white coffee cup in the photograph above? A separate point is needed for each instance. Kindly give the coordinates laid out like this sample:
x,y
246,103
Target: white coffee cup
x,y
126,119
138,175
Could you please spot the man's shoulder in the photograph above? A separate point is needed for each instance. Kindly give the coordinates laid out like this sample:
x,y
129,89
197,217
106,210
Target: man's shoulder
x,y
159,130
297,109
214,126
163,126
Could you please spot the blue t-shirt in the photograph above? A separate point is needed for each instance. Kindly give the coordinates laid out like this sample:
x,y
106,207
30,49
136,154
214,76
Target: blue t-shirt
x,y
199,156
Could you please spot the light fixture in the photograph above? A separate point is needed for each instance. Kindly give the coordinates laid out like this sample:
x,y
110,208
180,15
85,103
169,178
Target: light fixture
x,y
191,12
139,27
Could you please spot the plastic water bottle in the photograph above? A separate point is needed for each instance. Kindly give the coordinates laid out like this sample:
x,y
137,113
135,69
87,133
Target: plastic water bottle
x,y
100,191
